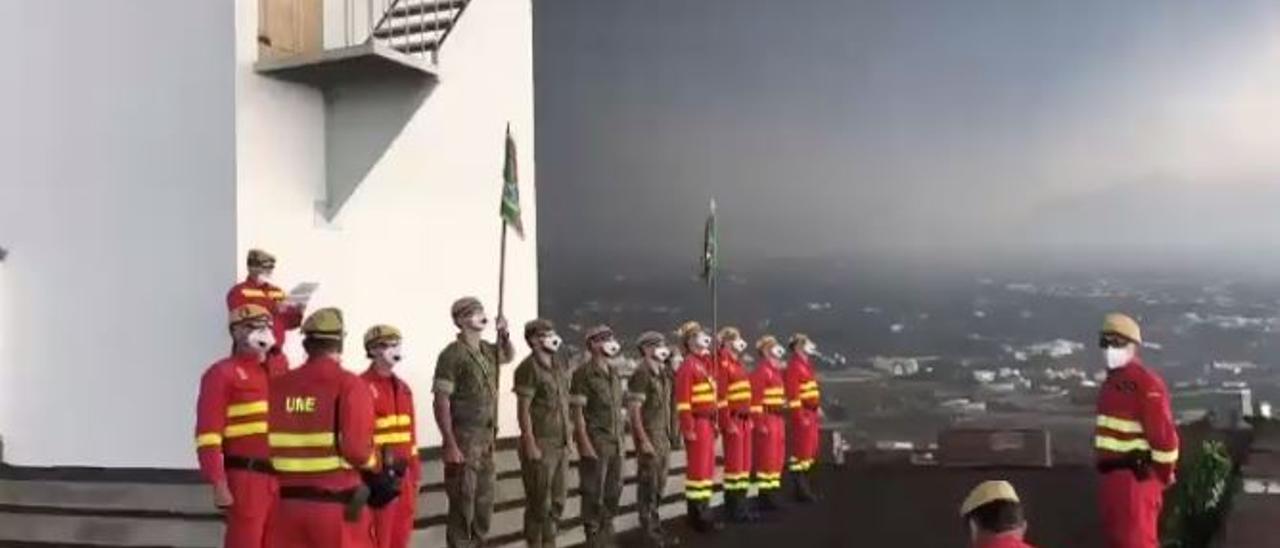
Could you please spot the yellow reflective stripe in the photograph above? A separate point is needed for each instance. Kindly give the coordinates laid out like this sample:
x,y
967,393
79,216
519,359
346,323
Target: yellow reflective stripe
x,y
703,387
247,408
253,293
757,409
775,401
305,464
808,385
1120,446
740,385
1164,457
695,484
289,439
703,398
722,404
211,438
697,495
390,421
795,404
809,394
739,397
276,294
245,429
683,407
774,392
1119,425
394,437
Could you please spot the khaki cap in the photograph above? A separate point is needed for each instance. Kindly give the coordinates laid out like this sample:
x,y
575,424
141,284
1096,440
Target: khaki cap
x,y
598,333
325,323
689,329
464,307
765,343
650,338
1122,325
986,493
537,328
247,312
798,339
729,334
381,333
260,259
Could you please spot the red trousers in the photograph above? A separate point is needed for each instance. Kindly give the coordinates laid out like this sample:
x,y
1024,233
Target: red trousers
x,y
737,453
769,450
393,525
700,456
1130,510
804,439
316,524
255,495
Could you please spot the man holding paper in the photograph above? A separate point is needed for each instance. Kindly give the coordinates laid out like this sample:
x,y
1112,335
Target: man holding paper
x,y
286,311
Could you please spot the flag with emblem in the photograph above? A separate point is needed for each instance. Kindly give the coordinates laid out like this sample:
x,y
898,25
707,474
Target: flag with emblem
x,y
510,210
710,247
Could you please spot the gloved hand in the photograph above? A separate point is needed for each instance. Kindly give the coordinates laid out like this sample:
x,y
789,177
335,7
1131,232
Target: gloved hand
x,y
384,486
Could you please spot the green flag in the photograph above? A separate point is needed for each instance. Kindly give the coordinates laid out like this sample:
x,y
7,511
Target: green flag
x,y
510,210
710,247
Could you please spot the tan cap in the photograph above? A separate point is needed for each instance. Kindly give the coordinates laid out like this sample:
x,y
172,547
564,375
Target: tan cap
x,y
1122,325
246,313
464,307
381,333
538,328
598,333
325,323
988,492
689,329
729,334
798,339
260,259
650,338
766,342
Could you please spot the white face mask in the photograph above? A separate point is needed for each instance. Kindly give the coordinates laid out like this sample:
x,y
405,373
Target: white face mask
x,y
661,353
263,277
810,348
1118,357
391,355
777,352
261,339
550,342
610,348
738,345
702,341
476,322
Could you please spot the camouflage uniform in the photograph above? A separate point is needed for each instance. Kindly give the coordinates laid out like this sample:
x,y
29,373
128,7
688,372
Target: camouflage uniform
x,y
546,387
597,390
469,378
650,388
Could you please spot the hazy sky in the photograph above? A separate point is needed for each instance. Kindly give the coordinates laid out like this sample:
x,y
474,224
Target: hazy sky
x,y
928,128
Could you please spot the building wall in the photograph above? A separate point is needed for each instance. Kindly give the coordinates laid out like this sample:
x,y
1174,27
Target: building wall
x,y
117,204
422,227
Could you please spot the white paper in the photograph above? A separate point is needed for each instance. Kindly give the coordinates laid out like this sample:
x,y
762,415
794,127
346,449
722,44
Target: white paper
x,y
301,294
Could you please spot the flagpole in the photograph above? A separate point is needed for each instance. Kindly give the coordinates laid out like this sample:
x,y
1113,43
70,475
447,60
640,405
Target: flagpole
x,y
715,301
502,269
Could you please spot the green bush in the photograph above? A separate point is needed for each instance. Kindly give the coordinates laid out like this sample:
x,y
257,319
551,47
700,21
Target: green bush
x,y
1195,506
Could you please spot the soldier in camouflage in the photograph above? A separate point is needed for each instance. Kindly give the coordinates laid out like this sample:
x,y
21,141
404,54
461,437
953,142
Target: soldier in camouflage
x,y
650,405
596,397
542,391
466,411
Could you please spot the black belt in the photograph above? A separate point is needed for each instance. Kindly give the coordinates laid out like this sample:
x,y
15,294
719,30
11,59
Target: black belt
x,y
1141,470
316,494
261,466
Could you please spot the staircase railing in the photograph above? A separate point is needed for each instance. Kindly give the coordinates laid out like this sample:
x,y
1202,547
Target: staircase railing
x,y
412,27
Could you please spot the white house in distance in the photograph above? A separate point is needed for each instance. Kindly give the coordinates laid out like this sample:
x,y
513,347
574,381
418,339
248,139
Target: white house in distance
x,y
149,144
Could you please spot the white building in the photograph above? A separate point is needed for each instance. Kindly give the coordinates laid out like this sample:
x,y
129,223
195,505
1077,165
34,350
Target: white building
x,y
149,144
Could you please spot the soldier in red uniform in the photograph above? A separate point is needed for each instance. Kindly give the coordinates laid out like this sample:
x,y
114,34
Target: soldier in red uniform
x,y
733,389
258,290
321,438
394,438
695,396
1136,442
806,415
768,405
993,515
231,429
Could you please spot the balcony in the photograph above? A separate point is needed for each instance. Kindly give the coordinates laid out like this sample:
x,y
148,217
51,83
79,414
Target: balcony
x,y
375,61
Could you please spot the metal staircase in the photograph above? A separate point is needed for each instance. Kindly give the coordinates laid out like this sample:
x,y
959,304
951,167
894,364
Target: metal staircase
x,y
417,27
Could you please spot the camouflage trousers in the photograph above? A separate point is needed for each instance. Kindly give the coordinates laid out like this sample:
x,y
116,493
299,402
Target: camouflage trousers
x,y
651,480
544,495
469,487
600,480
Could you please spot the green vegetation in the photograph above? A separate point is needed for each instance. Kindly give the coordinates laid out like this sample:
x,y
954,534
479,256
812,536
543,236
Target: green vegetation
x,y
1198,503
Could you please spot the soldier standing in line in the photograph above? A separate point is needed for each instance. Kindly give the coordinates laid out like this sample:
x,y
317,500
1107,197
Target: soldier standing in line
x,y
768,408
695,395
733,388
596,397
649,402
805,401
466,411
542,390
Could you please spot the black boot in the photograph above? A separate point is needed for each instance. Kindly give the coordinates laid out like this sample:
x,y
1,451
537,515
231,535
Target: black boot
x,y
694,514
713,523
804,491
766,503
735,503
